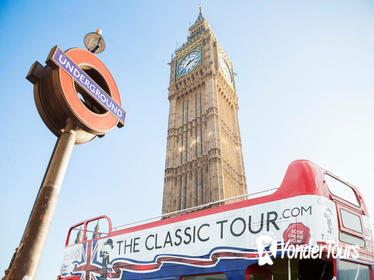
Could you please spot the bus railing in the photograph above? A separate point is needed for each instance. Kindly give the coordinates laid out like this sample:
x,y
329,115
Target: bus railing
x,y
195,208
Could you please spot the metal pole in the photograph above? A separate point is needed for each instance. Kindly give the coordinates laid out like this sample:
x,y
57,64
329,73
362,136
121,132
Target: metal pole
x,y
30,249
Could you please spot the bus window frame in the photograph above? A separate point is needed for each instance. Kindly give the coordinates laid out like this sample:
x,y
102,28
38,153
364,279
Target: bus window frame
x,y
335,262
347,230
85,223
353,213
355,262
69,234
340,199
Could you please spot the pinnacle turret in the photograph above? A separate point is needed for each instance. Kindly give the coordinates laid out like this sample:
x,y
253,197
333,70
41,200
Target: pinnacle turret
x,y
199,26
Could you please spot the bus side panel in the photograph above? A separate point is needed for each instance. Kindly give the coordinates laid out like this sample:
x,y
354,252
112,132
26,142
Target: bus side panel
x,y
233,269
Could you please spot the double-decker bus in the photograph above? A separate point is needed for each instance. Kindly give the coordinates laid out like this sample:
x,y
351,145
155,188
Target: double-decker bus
x,y
314,226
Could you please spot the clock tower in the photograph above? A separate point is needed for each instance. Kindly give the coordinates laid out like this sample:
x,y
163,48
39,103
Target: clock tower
x,y
204,161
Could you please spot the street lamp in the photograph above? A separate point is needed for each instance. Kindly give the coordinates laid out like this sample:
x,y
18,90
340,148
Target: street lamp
x,y
94,42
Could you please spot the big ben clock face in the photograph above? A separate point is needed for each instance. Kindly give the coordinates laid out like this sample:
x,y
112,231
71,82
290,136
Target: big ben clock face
x,y
225,68
188,63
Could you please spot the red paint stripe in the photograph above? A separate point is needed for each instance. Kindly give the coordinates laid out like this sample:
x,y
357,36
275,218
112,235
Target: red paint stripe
x,y
215,257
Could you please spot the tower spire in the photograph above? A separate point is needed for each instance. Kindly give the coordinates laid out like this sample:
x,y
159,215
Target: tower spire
x,y
201,9
199,26
201,14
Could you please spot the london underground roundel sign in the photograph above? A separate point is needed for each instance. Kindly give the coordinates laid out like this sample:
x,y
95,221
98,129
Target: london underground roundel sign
x,y
75,84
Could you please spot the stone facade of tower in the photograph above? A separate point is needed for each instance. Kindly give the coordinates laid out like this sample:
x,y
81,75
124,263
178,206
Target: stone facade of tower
x,y
204,161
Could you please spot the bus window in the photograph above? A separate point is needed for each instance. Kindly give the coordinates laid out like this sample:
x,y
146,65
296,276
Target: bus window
x,y
258,276
97,229
206,277
281,268
341,190
350,239
76,235
349,270
302,269
256,272
351,221
311,269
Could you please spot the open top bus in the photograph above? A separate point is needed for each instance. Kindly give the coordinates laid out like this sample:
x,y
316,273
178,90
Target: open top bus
x,y
314,226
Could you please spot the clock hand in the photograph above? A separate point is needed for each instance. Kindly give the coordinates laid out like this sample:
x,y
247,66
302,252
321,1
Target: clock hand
x,y
189,62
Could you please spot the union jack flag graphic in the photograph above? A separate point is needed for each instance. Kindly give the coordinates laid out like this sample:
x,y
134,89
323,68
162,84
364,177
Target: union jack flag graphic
x,y
212,260
89,268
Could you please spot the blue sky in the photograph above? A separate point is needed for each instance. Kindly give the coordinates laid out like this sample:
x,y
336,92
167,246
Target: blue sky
x,y
304,79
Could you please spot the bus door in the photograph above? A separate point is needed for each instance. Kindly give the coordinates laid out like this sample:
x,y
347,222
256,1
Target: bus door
x,y
256,272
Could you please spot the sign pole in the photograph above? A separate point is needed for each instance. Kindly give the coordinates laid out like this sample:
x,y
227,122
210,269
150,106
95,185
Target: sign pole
x,y
30,249
74,121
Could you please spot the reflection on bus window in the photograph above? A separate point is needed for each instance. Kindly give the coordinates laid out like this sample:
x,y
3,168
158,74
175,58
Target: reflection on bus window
x,y
351,221
206,277
341,190
97,229
76,235
350,270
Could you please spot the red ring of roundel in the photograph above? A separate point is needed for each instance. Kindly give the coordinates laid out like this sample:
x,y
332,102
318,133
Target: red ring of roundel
x,y
97,122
